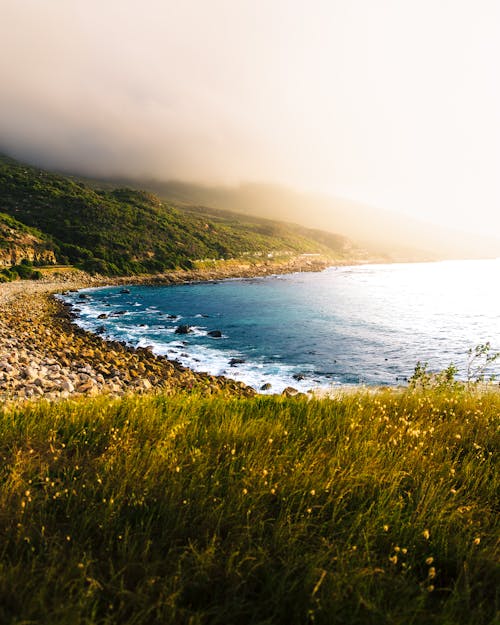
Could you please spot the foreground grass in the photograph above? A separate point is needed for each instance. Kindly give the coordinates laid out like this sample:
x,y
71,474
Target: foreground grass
x,y
363,509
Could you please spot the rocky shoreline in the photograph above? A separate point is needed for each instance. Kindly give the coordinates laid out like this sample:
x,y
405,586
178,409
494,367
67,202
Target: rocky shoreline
x,y
43,355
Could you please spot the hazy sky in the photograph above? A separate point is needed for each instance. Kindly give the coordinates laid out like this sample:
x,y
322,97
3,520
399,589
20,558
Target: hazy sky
x,y
395,103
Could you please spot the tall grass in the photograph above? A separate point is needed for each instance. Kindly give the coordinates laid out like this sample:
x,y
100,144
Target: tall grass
x,y
367,508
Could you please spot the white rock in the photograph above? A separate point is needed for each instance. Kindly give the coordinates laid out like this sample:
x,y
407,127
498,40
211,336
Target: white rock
x,y
30,373
66,385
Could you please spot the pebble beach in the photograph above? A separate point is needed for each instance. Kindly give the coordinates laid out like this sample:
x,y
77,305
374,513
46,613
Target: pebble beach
x,y
44,356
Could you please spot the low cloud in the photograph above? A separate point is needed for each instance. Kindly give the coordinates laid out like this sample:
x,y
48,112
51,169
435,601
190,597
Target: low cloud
x,y
338,97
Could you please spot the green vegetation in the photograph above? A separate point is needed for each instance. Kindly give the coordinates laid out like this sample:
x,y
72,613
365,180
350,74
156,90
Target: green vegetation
x,y
371,508
479,361
10,229
23,271
126,232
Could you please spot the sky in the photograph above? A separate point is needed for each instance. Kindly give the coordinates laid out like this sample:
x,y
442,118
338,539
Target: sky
x,y
394,103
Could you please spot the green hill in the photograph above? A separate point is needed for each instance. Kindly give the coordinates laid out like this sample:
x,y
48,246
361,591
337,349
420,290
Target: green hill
x,y
21,247
125,231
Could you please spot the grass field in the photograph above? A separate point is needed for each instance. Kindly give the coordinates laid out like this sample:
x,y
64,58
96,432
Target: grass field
x,y
364,509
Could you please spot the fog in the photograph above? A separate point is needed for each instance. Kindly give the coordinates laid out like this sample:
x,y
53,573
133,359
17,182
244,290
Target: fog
x,y
392,104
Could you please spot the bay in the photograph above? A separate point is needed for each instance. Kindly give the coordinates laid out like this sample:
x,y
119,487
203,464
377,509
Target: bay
x,y
365,324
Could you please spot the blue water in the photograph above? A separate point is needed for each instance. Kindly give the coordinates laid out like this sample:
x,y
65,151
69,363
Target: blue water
x,y
366,324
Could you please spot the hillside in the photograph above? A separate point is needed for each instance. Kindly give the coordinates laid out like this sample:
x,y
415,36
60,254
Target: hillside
x,y
20,243
381,232
125,231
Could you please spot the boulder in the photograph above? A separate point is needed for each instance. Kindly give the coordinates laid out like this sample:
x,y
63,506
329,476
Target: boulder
x,y
236,361
66,385
289,391
30,373
266,386
183,329
216,334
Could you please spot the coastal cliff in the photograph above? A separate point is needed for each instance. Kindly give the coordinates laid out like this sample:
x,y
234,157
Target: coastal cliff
x,y
19,243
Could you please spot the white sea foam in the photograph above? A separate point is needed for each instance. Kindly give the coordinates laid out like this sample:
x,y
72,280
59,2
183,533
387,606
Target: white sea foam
x,y
197,357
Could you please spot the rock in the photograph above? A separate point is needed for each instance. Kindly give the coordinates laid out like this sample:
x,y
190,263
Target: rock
x,y
298,376
86,386
29,373
102,316
83,296
236,361
183,329
266,386
289,391
66,385
125,291
216,334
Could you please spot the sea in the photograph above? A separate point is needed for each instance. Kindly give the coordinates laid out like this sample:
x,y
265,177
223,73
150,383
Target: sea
x,y
358,325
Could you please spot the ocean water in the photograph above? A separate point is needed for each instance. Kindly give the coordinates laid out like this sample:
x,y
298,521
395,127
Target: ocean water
x,y
366,324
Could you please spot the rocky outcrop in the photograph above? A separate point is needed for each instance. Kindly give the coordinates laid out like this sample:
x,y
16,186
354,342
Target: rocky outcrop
x,y
18,243
36,254
215,334
183,329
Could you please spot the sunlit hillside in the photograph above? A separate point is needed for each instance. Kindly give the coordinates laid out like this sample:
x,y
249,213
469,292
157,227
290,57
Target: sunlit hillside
x,y
126,231
379,230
